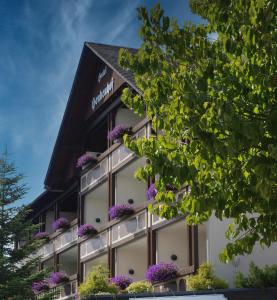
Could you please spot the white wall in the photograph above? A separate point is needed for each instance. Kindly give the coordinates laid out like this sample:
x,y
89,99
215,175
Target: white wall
x,y
173,239
128,187
96,205
100,260
49,219
216,241
132,256
127,117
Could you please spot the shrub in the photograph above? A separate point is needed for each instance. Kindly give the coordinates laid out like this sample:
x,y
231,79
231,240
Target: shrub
x,y
120,210
97,282
257,278
140,287
161,272
205,279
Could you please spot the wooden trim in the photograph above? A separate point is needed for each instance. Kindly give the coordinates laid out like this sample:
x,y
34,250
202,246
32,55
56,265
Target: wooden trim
x,y
193,246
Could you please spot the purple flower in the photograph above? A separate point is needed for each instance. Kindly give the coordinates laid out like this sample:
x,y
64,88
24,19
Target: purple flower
x,y
122,281
151,192
41,235
120,210
161,272
86,229
60,223
58,277
118,132
82,160
40,286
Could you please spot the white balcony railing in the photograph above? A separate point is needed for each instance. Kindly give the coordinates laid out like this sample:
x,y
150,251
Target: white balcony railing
x,y
46,250
66,238
95,244
93,176
119,155
129,227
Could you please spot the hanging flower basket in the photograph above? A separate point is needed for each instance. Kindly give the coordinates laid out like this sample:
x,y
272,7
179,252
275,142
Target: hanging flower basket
x,y
121,281
84,160
120,210
161,272
61,223
86,229
42,235
40,286
116,134
58,277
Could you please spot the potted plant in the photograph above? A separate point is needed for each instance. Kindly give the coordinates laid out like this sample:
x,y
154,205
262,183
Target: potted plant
x,y
86,229
40,286
121,281
120,210
42,235
161,272
116,134
84,160
61,223
58,277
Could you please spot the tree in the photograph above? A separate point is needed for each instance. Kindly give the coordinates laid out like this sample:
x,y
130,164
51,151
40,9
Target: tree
x,y
210,91
18,270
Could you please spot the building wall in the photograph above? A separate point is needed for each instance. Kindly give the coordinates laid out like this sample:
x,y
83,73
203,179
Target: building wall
x,y
128,187
96,205
173,239
132,256
216,240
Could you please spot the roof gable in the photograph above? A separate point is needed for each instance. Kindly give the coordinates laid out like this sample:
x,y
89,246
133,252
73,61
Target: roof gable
x,y
68,144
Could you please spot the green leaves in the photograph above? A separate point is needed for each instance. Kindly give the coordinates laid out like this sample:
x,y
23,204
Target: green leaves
x,y
213,105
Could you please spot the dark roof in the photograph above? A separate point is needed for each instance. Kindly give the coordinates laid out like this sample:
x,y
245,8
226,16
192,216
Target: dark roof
x,y
67,146
109,54
42,201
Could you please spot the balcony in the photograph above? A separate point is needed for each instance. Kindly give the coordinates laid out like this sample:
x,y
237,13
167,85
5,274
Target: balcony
x,y
112,159
129,227
59,241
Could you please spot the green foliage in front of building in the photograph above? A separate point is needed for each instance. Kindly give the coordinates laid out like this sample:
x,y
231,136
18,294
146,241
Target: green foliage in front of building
x,y
205,279
97,283
257,277
210,91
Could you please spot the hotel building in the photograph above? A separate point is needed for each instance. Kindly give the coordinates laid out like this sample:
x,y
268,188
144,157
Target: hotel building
x,y
129,245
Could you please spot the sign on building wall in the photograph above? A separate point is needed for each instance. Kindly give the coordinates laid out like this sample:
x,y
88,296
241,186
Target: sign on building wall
x,y
102,94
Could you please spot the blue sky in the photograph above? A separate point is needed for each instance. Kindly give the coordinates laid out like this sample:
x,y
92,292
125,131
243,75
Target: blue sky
x,y
41,43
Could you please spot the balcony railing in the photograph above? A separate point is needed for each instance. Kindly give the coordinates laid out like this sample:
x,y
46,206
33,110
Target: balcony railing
x,y
129,227
67,290
110,160
59,241
95,244
66,238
